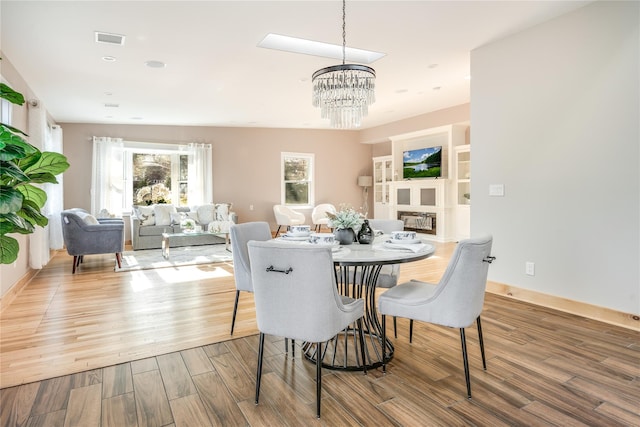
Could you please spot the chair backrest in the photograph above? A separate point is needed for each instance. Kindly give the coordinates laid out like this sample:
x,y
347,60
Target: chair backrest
x,y
299,298
387,225
240,235
460,292
319,212
84,238
287,216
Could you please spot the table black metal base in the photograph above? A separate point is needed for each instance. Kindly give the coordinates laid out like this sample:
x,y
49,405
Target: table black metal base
x,y
343,351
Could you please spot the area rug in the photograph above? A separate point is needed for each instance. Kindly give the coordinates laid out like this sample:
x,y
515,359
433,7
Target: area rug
x,y
189,255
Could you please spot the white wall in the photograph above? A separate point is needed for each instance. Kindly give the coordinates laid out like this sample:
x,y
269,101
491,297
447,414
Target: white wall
x,y
555,118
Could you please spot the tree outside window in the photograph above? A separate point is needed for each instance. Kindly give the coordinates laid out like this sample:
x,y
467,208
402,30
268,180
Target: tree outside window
x,y
297,179
154,178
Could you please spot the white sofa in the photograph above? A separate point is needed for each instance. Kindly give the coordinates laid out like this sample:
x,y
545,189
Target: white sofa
x,y
149,222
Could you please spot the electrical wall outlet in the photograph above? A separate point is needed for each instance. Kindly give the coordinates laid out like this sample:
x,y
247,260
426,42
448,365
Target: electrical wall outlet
x,y
530,268
250,207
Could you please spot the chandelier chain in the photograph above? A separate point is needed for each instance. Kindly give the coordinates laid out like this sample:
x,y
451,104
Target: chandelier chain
x,y
344,31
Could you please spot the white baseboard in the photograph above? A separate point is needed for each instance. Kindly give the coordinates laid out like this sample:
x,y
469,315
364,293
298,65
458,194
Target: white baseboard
x,y
603,314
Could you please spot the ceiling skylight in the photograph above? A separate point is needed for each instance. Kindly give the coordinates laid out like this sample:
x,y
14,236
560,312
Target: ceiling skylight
x,y
326,50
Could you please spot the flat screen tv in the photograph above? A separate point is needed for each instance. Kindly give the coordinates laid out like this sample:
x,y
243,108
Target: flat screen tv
x,y
422,163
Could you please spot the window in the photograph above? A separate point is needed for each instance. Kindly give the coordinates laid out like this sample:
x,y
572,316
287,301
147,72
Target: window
x,y
5,112
159,178
297,188
127,173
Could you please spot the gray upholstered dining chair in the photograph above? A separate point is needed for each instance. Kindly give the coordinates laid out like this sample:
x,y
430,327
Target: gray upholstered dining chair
x,y
296,297
388,276
286,216
456,301
240,235
84,235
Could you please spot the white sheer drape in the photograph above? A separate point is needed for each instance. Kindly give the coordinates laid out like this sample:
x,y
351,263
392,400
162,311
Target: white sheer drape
x,y
39,239
55,202
200,177
107,181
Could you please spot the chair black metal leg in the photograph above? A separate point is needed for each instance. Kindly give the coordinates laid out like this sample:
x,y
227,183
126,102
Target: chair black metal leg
x,y
395,327
465,360
235,309
362,350
318,378
410,331
481,341
277,231
384,344
293,348
259,373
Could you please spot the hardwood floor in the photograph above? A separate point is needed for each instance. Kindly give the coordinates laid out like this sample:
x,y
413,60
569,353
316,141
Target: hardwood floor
x,y
152,348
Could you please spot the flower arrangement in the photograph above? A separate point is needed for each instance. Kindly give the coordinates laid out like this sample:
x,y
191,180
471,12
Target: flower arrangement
x,y
188,224
345,218
153,194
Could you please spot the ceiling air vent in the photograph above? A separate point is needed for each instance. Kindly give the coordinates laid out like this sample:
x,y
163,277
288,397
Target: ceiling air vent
x,y
112,105
109,38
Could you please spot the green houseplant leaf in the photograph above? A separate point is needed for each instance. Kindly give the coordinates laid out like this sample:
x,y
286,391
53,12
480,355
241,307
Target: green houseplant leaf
x,y
21,166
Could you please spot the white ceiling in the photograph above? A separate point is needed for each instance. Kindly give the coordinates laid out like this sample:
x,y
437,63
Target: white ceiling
x,y
217,76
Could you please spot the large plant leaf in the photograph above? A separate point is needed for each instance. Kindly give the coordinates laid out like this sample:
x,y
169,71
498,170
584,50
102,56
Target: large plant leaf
x,y
31,213
49,162
12,172
29,160
33,193
11,95
10,200
14,147
8,249
17,223
40,178
13,129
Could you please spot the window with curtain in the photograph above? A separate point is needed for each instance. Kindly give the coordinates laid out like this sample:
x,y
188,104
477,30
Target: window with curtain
x,y
297,187
127,173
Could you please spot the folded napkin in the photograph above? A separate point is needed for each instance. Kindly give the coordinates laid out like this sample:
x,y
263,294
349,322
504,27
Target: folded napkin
x,y
413,247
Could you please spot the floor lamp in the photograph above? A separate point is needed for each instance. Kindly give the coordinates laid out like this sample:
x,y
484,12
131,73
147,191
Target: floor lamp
x,y
365,182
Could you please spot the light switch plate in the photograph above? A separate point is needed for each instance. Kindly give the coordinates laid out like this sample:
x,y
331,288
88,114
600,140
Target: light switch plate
x,y
496,190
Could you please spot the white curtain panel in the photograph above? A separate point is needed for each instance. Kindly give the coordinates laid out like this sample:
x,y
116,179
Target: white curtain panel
x,y
39,239
107,181
55,202
200,179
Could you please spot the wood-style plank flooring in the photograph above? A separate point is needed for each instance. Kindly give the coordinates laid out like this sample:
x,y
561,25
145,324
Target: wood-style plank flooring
x,y
152,348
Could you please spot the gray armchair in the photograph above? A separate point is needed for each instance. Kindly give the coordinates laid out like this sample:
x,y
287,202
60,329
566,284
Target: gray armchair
x,y
84,235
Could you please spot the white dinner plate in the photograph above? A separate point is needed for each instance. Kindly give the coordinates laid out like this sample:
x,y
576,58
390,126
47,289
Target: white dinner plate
x,y
295,237
404,242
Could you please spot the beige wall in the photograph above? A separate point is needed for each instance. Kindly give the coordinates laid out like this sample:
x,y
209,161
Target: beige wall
x,y
246,162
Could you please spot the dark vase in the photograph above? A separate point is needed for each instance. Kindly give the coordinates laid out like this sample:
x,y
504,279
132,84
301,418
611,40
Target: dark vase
x,y
345,236
365,235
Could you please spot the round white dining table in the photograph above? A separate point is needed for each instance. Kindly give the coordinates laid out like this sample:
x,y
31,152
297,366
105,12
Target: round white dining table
x,y
357,268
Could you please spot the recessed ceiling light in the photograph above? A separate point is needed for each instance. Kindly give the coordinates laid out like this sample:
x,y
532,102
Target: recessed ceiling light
x,y
437,88
136,118
401,90
325,50
155,64
433,65
108,93
109,58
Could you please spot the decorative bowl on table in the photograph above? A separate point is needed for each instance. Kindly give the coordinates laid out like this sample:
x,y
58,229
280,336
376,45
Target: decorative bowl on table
x,y
322,239
299,230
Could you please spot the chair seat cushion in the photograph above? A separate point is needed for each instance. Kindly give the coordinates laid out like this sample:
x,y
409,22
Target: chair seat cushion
x,y
399,300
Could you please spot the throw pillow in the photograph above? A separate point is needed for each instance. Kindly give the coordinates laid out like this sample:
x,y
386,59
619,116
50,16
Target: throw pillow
x,y
218,227
193,216
206,214
222,211
87,218
163,214
146,215
177,217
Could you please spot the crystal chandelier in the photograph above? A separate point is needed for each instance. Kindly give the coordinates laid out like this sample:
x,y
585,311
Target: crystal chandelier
x,y
344,92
